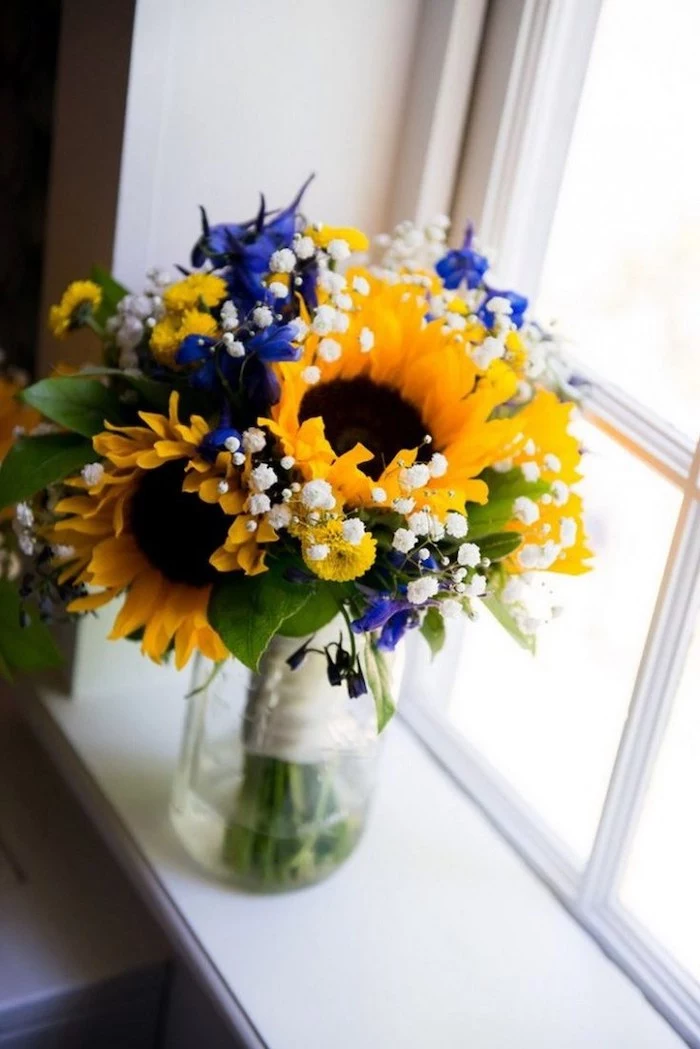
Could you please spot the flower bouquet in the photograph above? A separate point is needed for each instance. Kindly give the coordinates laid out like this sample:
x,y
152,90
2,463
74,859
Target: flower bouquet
x,y
295,450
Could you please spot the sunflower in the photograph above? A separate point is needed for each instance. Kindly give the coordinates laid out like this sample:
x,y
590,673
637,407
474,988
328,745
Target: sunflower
x,y
551,453
132,528
394,407
241,547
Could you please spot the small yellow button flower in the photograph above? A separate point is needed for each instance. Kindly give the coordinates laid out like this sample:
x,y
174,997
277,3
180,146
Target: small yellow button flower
x,y
331,556
323,235
80,298
192,291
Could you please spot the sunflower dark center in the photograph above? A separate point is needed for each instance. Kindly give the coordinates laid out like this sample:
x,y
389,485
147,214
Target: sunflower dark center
x,y
361,411
175,530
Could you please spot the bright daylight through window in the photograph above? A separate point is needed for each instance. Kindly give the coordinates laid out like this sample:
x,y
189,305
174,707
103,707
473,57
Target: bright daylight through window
x,y
587,756
551,731
626,235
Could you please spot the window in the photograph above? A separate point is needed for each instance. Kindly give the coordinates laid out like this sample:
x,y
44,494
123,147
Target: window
x,y
581,171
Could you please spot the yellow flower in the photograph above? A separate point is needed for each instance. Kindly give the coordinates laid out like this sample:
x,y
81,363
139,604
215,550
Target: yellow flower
x,y
241,548
80,298
322,235
137,532
173,328
341,560
193,291
403,414
556,454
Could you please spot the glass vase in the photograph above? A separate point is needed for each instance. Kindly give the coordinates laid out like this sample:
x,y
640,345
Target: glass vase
x,y
276,769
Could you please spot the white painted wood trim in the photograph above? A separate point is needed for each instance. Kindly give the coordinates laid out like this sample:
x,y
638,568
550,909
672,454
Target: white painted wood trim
x,y
525,100
446,52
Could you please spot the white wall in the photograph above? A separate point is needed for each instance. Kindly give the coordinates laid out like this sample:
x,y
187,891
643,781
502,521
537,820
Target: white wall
x,y
230,97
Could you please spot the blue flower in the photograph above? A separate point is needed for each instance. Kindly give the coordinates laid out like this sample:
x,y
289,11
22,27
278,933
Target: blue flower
x,y
213,368
340,668
391,616
275,343
195,348
395,628
463,264
299,655
215,441
355,683
380,609
518,306
307,288
244,249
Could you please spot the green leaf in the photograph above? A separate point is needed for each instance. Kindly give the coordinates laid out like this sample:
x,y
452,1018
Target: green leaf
x,y
28,648
485,520
379,680
504,489
5,672
157,394
247,611
505,618
499,544
511,484
433,630
80,404
323,605
34,462
112,293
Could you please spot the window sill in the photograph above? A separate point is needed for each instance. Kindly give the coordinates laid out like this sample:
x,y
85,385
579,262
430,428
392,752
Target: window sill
x,y
434,932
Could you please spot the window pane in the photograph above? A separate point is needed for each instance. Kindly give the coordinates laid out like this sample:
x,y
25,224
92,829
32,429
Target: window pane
x,y
663,873
620,276
551,724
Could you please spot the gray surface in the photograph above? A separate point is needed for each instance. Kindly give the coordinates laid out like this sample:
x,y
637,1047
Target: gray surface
x,y
81,962
191,1020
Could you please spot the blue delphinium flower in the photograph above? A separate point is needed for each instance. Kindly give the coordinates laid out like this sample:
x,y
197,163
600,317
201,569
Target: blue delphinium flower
x,y
380,608
243,250
275,343
463,264
224,437
247,372
395,628
518,304
391,616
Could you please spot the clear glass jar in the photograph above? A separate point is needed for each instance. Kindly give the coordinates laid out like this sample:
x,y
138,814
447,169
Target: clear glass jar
x,y
276,769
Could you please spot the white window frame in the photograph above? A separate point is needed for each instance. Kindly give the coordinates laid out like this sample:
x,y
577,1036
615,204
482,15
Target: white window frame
x,y
531,67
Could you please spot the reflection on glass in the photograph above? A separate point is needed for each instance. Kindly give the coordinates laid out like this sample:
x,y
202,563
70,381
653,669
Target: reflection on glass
x,y
551,724
661,882
620,277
